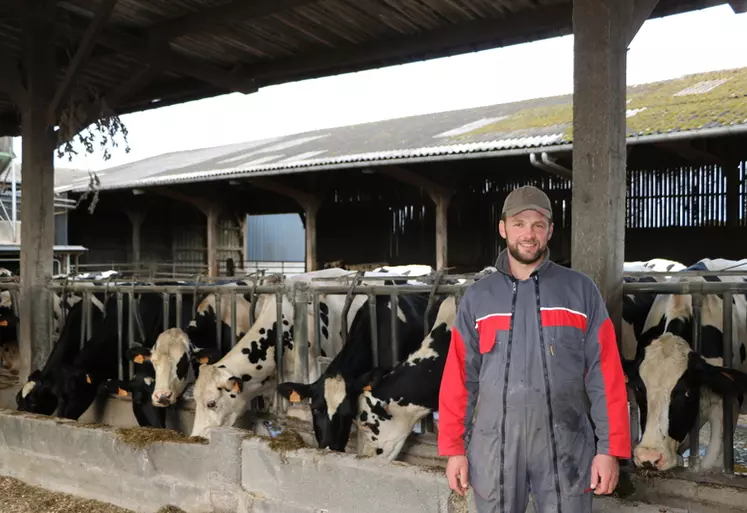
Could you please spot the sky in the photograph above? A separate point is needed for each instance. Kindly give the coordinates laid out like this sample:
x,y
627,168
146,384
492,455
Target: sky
x,y
664,48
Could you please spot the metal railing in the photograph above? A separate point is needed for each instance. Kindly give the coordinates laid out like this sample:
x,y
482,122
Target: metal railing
x,y
305,295
697,289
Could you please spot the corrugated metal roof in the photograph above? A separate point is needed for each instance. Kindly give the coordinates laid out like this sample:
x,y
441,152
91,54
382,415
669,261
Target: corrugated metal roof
x,y
694,104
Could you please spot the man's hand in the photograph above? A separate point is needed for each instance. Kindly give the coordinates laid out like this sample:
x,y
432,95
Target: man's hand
x,y
456,473
605,470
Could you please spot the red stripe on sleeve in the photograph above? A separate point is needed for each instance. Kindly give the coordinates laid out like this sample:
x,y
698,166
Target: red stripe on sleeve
x,y
563,317
614,392
452,404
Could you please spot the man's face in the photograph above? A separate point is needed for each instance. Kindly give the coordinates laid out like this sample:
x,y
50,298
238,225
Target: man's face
x,y
526,234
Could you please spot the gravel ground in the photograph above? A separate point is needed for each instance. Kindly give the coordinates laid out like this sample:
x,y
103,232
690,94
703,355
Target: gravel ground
x,y
19,497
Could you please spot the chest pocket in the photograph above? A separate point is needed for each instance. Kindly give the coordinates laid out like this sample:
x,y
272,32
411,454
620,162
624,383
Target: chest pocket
x,y
565,332
488,329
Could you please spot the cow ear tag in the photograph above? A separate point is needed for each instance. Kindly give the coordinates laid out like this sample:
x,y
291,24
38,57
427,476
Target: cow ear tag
x,y
138,359
294,397
367,388
204,359
88,379
121,392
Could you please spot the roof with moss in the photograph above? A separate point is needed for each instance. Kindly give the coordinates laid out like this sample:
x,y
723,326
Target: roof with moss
x,y
694,105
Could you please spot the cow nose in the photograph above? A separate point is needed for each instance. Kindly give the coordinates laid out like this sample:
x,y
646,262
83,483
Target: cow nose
x,y
650,459
162,397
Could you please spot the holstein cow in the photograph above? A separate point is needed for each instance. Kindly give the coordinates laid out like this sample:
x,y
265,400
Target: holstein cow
x,y
140,388
334,395
673,383
223,390
390,404
637,305
39,394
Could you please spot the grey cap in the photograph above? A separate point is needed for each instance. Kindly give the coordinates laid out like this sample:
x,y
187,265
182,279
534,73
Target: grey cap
x,y
527,197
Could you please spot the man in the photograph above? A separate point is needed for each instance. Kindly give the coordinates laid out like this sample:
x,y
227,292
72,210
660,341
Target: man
x,y
530,341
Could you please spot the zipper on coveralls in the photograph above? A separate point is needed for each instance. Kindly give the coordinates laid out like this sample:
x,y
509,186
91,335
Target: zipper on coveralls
x,y
553,447
505,391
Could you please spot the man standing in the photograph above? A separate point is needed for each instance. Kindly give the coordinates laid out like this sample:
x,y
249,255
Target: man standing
x,y
529,343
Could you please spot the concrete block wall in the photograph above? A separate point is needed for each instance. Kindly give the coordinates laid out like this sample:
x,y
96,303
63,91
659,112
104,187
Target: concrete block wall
x,y
237,471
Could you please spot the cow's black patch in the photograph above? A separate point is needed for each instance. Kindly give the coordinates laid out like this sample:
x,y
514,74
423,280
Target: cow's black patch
x,y
259,367
379,451
246,377
325,332
261,331
742,353
182,367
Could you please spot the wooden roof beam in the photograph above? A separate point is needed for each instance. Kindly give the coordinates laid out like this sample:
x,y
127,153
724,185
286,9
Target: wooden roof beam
x,y
140,47
10,78
689,150
435,190
237,10
738,6
95,27
550,21
304,199
642,9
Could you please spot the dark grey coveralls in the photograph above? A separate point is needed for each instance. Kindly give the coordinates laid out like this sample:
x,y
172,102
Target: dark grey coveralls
x,y
523,355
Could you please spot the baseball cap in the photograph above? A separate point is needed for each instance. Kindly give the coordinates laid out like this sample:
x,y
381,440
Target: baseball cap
x,y
527,197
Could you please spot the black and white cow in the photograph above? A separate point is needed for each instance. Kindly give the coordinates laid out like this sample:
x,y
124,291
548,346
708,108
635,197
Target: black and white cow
x,y
334,395
673,383
391,404
140,389
39,394
224,389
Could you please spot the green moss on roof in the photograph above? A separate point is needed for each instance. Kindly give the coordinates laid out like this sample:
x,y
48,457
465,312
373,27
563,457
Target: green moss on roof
x,y
662,111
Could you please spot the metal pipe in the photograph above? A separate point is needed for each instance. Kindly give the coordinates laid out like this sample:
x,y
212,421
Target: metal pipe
x,y
218,323
233,320
120,341
179,310
280,401
728,399
166,305
687,287
697,301
374,334
394,304
300,330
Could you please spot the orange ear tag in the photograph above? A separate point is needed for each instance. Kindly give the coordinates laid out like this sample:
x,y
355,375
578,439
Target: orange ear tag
x,y
294,397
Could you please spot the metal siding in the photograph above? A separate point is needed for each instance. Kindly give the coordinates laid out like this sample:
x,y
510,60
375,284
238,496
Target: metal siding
x,y
60,230
276,238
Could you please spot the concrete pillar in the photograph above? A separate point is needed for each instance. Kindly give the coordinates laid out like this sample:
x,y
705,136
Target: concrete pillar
x,y
602,32
37,205
213,215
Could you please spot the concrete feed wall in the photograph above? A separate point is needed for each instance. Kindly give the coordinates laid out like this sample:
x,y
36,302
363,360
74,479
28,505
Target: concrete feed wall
x,y
238,471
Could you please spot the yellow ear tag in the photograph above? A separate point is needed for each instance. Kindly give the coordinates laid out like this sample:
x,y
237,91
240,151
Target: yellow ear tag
x,y
138,359
294,397
88,379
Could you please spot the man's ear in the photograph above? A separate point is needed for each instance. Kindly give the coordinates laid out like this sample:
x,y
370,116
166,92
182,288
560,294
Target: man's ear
x,y
502,228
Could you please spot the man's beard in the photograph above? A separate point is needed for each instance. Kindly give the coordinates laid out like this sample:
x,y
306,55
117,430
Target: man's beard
x,y
529,259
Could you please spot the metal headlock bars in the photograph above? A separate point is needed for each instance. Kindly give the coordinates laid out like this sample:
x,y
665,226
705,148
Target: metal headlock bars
x,y
303,294
697,289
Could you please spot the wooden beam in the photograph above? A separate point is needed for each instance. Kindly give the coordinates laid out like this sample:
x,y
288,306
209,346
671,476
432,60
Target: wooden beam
x,y
416,180
738,6
37,209
310,231
237,10
204,205
213,216
303,198
642,10
11,82
690,151
549,21
95,27
139,46
599,153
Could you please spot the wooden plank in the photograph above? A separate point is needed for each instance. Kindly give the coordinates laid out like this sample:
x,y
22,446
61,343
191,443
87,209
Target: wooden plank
x,y
642,10
738,6
85,48
238,10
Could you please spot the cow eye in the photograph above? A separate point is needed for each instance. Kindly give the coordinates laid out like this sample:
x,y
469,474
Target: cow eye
x,y
211,404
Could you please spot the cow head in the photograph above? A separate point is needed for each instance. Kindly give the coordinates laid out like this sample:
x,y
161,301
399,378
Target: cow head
x,y
171,357
333,407
672,376
38,395
218,397
76,391
140,389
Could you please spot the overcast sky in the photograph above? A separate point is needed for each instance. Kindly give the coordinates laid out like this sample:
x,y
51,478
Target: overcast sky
x,y
664,48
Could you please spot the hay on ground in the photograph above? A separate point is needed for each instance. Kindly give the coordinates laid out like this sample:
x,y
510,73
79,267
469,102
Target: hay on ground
x,y
287,440
20,497
142,437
